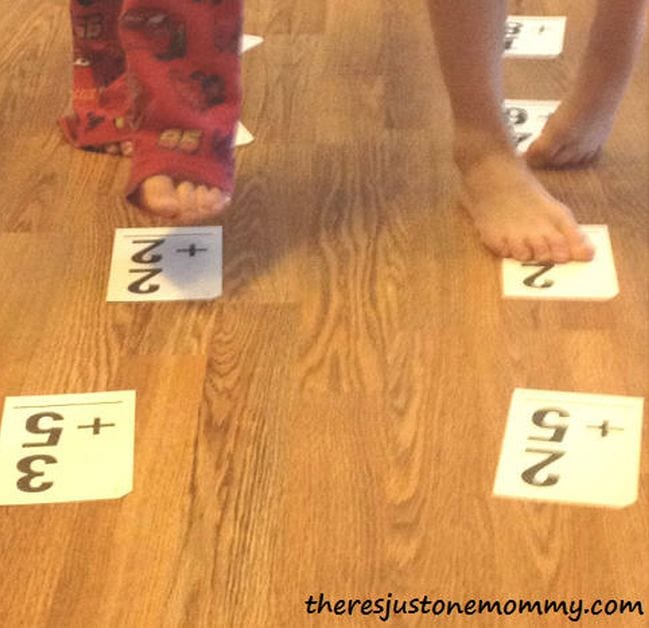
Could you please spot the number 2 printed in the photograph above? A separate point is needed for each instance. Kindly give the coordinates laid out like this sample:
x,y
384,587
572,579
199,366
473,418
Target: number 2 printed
x,y
545,267
140,257
559,431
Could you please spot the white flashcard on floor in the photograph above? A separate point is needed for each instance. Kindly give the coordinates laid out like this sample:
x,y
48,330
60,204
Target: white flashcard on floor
x,y
575,281
534,36
571,447
244,136
67,448
526,119
249,42
167,264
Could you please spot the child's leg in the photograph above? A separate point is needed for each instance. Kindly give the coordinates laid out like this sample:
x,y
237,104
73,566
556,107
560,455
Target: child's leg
x,y
100,96
513,213
183,66
576,132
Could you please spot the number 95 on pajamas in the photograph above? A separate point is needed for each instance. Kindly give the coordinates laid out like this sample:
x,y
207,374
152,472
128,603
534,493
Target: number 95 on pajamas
x,y
67,448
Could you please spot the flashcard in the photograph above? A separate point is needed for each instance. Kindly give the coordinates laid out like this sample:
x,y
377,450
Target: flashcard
x,y
248,42
66,448
575,281
571,447
534,36
526,119
244,136
167,264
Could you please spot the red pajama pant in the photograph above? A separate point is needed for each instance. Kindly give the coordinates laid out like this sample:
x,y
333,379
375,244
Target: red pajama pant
x,y
163,75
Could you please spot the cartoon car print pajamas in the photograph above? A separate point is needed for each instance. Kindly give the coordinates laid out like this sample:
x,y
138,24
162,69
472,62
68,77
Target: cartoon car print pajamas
x,y
161,78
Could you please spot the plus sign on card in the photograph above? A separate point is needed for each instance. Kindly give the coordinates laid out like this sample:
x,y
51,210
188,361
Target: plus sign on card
x,y
571,447
66,448
167,264
534,36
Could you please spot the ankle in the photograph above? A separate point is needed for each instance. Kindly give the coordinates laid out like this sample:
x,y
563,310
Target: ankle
x,y
499,174
472,147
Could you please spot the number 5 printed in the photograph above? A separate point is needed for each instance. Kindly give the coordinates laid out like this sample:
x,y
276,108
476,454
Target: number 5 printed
x,y
559,431
25,465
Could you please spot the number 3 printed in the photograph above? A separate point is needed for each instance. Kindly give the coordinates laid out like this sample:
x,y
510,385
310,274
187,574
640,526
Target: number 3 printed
x,y
24,465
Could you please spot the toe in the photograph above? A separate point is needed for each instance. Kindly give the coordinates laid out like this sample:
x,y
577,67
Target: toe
x,y
542,152
187,197
566,157
207,200
498,246
574,156
127,148
589,158
540,248
580,246
201,204
520,250
583,251
503,249
215,201
112,149
559,249
158,195
222,200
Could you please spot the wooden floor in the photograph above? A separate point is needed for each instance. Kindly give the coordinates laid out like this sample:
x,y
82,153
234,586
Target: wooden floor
x,y
333,423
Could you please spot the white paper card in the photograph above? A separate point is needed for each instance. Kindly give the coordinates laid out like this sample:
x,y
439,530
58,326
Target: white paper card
x,y
244,136
584,281
248,42
167,264
534,36
571,447
526,119
63,448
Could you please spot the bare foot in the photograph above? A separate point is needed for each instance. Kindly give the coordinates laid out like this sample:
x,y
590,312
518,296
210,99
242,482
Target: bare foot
x,y
184,204
516,217
574,135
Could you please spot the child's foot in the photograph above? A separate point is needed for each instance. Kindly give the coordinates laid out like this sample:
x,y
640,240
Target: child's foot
x,y
184,204
575,134
516,217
